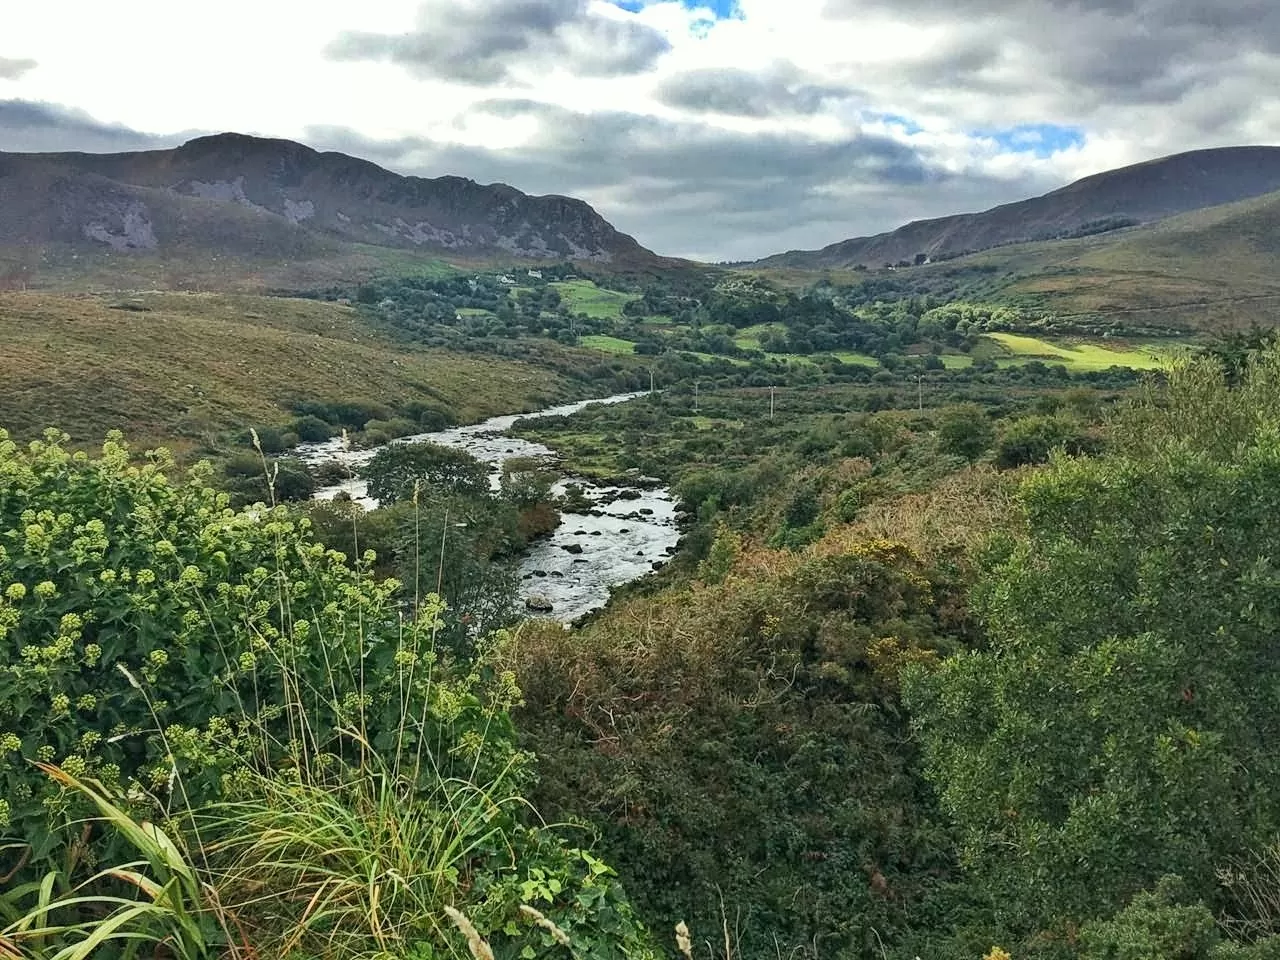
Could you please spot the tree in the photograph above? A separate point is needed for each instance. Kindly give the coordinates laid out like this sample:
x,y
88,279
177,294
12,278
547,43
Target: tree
x,y
1031,439
397,468
1121,724
966,431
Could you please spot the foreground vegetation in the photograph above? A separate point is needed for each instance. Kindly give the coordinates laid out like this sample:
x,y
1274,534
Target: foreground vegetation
x,y
965,652
222,738
994,709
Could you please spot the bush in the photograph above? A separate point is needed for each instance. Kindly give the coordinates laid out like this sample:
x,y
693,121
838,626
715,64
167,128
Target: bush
x,y
144,621
740,744
1119,725
312,429
350,782
966,431
1029,440
397,470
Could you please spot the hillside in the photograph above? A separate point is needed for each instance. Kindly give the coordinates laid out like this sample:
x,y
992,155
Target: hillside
x,y
1214,269
190,369
1141,193
264,202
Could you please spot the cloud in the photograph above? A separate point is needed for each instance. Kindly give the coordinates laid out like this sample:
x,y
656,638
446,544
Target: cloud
x,y
490,41
28,126
779,91
14,69
1094,53
691,189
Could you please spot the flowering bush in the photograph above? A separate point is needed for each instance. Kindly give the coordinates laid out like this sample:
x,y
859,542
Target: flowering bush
x,y
162,643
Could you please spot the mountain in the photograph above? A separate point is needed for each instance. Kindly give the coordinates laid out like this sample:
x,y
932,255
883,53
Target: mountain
x,y
247,197
1213,269
1141,193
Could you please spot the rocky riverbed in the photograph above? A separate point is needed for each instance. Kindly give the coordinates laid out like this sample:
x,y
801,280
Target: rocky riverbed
x,y
629,530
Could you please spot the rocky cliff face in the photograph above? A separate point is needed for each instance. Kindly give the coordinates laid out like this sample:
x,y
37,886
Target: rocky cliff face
x,y
245,194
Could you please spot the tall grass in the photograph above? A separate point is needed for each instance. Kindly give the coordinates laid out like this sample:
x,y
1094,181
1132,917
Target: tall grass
x,y
358,864
158,905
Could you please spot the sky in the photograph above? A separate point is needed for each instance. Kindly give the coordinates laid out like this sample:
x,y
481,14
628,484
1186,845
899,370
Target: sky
x,y
712,129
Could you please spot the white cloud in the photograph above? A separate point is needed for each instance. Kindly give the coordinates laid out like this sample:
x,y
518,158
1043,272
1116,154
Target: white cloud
x,y
779,120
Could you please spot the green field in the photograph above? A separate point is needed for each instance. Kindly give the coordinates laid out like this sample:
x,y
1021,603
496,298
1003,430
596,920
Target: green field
x,y
583,296
1080,356
857,359
748,338
607,344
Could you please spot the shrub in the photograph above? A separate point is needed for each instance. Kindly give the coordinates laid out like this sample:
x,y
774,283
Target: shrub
x,y
1119,726
152,635
337,780
966,431
396,471
312,429
1031,439
740,745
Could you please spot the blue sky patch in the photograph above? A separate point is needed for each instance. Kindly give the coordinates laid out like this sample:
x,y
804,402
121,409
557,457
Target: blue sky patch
x,y
721,9
1037,139
908,125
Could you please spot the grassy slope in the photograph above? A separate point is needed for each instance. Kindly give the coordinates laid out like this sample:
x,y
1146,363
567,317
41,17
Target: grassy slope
x,y
62,268
1081,356
583,296
195,366
1213,269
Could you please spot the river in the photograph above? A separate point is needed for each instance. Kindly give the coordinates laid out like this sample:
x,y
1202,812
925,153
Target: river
x,y
628,530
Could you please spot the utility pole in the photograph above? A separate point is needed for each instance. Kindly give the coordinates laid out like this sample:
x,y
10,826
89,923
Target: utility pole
x,y
771,389
920,387
651,381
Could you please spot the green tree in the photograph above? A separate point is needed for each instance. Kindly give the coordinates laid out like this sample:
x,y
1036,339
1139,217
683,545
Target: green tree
x,y
966,431
1121,724
1031,440
398,468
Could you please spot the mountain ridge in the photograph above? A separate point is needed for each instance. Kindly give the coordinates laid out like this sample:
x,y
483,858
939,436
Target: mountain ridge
x,y
1126,196
300,201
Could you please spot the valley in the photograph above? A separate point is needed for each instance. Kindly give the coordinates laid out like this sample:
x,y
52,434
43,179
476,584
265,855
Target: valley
x,y
455,552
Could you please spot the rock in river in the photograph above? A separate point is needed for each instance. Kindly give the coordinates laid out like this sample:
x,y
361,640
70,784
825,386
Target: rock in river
x,y
537,604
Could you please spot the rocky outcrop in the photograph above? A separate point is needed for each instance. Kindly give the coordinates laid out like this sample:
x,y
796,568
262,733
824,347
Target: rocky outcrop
x,y
238,189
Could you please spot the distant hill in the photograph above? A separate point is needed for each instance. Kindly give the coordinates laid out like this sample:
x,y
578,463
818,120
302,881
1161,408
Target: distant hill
x,y
1128,196
1214,269
247,198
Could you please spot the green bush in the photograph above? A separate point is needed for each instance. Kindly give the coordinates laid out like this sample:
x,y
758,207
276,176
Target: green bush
x,y
349,780
312,429
741,747
398,470
1031,439
966,431
149,631
1121,723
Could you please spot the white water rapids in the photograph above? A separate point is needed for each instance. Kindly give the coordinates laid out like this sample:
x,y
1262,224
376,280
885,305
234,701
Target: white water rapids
x,y
574,569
